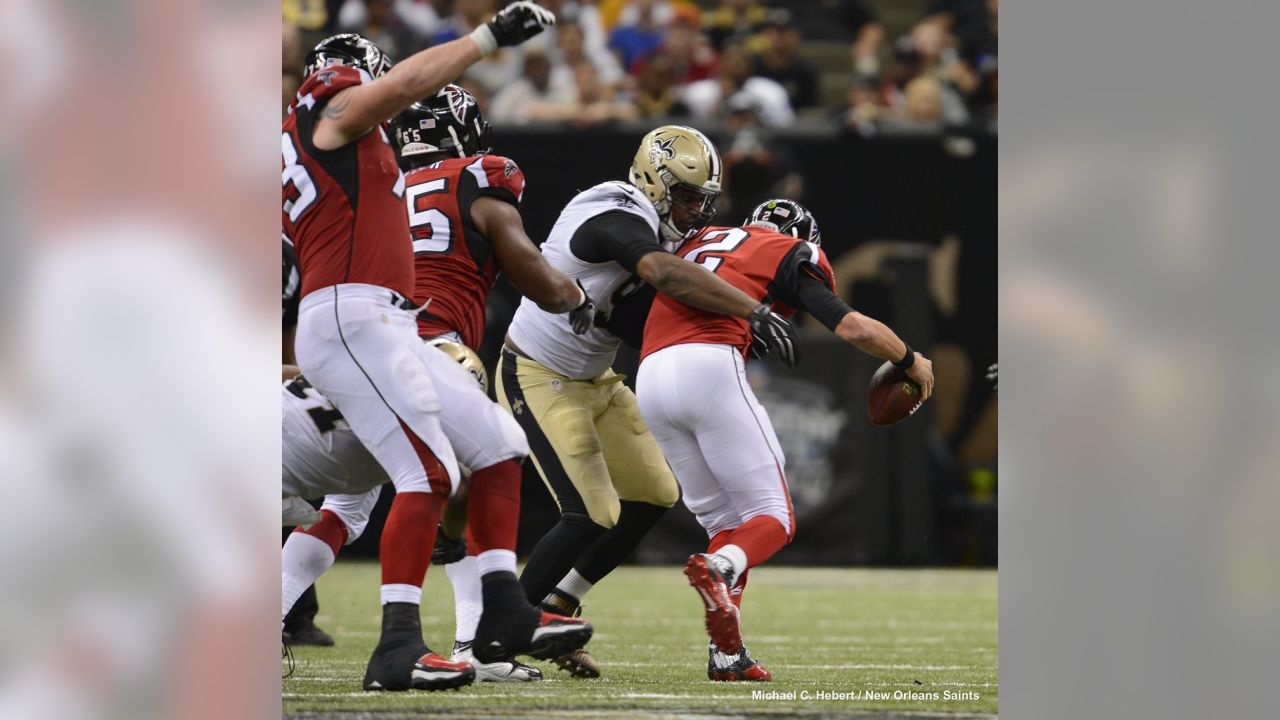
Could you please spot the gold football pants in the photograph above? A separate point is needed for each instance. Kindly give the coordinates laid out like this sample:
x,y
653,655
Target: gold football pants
x,y
588,440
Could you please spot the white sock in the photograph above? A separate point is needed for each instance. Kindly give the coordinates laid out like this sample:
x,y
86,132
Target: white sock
x,y
575,585
464,576
401,593
496,561
302,561
736,557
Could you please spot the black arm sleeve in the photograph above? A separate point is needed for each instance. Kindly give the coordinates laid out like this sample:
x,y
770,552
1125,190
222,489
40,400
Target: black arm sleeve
x,y
818,300
799,284
615,235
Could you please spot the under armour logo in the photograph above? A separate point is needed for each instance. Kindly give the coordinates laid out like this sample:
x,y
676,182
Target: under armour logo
x,y
662,149
518,406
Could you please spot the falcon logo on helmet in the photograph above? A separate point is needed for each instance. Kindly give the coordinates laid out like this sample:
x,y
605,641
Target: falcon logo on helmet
x,y
459,101
351,50
448,123
678,169
787,217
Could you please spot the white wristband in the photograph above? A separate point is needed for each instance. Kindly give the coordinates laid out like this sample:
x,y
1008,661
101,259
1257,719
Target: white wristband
x,y
484,39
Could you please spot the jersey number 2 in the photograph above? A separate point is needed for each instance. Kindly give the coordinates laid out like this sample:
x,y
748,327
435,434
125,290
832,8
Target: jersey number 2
x,y
729,241
430,228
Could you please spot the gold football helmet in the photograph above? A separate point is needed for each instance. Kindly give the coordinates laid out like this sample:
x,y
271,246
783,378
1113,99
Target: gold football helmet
x,y
465,357
678,169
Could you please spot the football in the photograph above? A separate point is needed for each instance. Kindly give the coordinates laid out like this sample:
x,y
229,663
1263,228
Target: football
x,y
892,396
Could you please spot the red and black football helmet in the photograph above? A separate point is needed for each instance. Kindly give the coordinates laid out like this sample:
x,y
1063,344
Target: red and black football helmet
x,y
348,49
787,217
448,122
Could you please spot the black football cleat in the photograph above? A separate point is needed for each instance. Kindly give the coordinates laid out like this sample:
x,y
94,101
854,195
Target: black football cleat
x,y
739,667
547,636
712,583
307,634
410,665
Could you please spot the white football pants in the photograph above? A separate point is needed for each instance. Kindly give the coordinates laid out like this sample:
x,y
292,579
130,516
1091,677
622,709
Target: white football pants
x,y
715,434
362,352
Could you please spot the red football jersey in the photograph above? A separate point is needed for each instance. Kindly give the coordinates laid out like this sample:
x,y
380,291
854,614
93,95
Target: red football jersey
x,y
454,264
343,209
761,263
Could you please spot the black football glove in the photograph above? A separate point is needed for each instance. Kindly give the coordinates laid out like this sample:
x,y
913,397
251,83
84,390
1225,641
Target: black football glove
x,y
516,23
774,333
759,348
447,551
583,317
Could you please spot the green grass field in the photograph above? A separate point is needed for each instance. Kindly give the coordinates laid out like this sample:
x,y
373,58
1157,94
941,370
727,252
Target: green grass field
x,y
818,630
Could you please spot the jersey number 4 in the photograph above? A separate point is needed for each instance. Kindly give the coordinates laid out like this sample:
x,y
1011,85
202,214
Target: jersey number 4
x,y
729,241
430,228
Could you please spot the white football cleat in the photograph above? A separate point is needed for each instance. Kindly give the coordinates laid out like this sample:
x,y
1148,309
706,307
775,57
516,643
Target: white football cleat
x,y
501,671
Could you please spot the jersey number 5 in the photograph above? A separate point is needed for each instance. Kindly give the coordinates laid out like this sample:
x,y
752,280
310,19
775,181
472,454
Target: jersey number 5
x,y
429,228
729,241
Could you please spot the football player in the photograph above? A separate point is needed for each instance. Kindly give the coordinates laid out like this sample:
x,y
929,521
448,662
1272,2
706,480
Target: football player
x,y
693,392
323,458
356,341
464,217
300,622
589,443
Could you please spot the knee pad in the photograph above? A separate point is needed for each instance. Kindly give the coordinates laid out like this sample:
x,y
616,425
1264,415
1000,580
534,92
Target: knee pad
x,y
781,516
604,512
352,511
664,491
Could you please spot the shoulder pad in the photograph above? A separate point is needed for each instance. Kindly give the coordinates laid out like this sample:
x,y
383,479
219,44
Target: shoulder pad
x,y
326,82
497,175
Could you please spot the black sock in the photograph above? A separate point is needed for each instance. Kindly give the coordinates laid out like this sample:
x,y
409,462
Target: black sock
x,y
400,618
501,589
610,549
556,553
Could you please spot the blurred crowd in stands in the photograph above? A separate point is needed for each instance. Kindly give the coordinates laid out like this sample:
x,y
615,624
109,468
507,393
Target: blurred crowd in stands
x,y
864,64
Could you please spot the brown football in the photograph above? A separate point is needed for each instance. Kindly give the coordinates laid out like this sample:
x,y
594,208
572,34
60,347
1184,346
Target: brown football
x,y
892,396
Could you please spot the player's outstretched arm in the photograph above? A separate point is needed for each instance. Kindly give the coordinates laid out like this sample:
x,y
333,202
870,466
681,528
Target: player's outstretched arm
x,y
358,110
875,338
518,258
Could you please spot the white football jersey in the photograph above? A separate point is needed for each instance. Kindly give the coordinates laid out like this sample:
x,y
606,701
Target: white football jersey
x,y
320,455
547,337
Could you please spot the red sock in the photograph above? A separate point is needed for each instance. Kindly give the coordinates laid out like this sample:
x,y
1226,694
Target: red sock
x,y
493,506
329,529
408,537
760,537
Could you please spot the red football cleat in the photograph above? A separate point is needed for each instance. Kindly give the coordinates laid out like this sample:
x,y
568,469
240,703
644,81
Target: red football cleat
x,y
434,672
722,614
735,668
